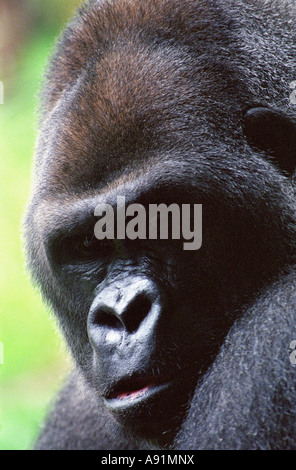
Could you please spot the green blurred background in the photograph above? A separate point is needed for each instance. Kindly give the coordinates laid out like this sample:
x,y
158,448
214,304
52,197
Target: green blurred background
x,y
35,359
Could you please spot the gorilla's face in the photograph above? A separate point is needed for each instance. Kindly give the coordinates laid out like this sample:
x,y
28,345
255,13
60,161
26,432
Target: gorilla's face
x,y
145,318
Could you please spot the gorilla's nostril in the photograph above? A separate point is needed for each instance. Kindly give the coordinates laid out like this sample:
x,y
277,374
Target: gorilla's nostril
x,y
136,312
106,317
130,317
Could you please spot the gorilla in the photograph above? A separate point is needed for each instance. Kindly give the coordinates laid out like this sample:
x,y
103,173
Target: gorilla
x,y
171,102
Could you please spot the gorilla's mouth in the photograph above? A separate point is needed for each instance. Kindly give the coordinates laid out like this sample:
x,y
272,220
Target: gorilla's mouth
x,y
133,401
129,392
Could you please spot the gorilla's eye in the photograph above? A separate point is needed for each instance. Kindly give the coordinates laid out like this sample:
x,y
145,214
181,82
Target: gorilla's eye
x,y
274,133
84,247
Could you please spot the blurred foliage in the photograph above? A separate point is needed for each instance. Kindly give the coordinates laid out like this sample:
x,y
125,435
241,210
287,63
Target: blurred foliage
x,y
35,360
19,18
52,12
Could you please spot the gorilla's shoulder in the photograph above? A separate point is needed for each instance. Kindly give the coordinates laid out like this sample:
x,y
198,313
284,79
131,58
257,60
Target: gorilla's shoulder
x,y
78,422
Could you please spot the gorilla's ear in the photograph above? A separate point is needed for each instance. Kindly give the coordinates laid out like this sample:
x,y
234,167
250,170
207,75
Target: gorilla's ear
x,y
274,133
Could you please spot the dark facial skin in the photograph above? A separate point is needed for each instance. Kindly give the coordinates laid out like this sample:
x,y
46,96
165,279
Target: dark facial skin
x,y
147,112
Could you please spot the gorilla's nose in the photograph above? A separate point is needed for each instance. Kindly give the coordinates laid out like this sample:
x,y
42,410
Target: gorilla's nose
x,y
129,304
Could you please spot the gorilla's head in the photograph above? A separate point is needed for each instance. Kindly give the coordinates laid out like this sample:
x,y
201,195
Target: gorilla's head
x,y
161,102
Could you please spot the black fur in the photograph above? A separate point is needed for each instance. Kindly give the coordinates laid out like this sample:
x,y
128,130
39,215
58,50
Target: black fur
x,y
158,100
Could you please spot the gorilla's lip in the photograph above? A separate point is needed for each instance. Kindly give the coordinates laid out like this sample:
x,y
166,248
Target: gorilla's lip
x,y
130,392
